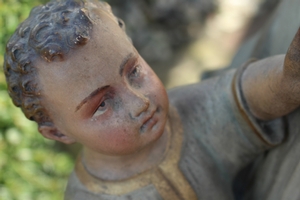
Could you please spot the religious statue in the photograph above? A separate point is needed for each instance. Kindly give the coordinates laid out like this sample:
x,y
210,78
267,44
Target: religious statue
x,y
72,69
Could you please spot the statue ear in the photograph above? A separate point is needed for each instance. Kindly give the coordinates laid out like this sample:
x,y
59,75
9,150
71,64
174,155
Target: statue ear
x,y
52,133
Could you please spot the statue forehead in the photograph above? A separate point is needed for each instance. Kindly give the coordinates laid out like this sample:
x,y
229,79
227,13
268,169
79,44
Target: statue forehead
x,y
92,7
106,49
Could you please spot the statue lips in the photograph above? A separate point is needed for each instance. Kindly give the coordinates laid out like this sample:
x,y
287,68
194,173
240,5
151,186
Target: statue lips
x,y
148,121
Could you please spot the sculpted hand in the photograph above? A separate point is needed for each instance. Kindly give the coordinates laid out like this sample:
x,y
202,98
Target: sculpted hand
x,y
291,70
272,86
292,59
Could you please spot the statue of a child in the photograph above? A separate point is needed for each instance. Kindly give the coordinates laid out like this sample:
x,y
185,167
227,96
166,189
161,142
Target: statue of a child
x,y
71,68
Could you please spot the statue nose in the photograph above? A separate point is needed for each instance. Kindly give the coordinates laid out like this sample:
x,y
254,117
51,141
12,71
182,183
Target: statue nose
x,y
139,104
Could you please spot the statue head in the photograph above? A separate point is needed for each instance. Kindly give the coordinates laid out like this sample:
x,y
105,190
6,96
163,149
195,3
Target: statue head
x,y
71,68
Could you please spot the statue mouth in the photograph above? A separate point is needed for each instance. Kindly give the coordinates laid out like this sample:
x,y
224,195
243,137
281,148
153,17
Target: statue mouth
x,y
149,121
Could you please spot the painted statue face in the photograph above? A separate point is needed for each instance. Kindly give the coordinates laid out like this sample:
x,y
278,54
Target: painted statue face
x,y
104,95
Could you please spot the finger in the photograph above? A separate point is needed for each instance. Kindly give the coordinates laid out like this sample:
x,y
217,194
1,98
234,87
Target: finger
x,y
292,58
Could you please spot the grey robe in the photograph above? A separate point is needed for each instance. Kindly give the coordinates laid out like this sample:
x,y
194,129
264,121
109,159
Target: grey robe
x,y
216,137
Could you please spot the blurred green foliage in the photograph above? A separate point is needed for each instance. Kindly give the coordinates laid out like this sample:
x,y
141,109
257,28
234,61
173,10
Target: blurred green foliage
x,y
31,167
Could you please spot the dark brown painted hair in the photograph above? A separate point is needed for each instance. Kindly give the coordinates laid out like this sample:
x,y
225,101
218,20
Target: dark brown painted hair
x,y
48,33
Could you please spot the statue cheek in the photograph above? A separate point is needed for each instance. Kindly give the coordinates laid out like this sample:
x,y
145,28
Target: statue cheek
x,y
120,142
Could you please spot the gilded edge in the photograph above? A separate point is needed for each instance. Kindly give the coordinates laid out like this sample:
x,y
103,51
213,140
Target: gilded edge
x,y
241,104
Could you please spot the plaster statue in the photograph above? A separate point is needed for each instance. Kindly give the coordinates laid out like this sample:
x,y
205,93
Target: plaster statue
x,y
71,68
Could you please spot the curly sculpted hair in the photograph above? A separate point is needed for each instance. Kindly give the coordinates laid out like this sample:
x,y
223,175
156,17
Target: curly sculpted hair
x,y
49,33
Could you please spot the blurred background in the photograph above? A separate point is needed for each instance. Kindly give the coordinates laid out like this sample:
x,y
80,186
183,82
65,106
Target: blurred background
x,y
180,39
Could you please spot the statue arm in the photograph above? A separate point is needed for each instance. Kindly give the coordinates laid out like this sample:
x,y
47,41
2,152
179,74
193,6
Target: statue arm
x,y
271,86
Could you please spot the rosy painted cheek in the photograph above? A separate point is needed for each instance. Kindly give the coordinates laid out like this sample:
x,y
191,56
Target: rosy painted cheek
x,y
120,141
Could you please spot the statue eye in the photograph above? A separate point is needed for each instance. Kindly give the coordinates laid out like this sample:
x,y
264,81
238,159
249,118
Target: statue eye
x,y
135,72
121,24
102,108
102,105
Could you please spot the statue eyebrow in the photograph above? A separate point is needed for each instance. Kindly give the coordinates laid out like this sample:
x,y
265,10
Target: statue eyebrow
x,y
94,93
98,90
125,61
